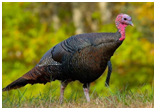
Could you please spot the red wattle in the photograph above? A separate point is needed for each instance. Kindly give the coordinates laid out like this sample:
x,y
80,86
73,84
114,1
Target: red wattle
x,y
121,28
121,38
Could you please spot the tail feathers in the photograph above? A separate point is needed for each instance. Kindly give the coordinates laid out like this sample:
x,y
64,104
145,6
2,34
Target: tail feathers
x,y
39,74
16,84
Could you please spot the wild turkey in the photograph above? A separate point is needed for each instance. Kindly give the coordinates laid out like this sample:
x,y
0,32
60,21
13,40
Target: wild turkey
x,y
82,57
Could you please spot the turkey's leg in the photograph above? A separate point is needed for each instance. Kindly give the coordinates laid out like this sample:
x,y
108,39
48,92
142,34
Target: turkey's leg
x,y
108,74
63,86
86,91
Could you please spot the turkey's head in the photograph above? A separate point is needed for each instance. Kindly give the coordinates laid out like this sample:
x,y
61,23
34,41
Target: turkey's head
x,y
123,19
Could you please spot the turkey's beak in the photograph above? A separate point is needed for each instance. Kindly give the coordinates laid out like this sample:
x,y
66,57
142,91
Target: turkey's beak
x,y
130,23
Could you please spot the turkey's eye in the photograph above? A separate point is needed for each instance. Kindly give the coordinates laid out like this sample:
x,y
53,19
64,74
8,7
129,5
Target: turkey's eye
x,y
125,18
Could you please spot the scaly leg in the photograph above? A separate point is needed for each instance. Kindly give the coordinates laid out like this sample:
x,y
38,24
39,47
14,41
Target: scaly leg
x,y
63,86
86,91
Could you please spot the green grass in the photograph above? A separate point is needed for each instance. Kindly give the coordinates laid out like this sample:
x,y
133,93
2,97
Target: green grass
x,y
115,99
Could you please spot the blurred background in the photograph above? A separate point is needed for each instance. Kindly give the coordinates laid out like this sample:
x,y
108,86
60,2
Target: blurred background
x,y
31,29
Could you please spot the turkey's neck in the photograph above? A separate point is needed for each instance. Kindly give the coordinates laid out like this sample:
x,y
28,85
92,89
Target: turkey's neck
x,y
121,28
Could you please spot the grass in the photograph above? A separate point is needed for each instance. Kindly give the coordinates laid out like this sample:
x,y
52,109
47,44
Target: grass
x,y
119,99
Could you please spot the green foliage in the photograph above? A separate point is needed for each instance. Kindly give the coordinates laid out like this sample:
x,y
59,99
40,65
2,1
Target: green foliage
x,y
27,34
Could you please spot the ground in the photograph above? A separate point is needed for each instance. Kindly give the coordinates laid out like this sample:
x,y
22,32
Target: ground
x,y
117,99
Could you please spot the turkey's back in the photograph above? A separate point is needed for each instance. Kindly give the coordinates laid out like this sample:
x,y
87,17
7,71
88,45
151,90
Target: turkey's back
x,y
84,57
